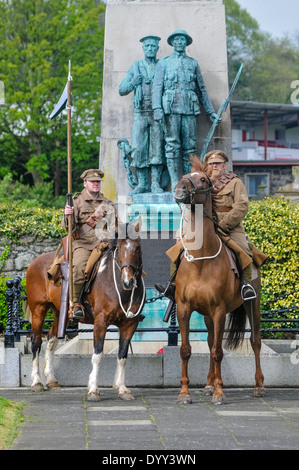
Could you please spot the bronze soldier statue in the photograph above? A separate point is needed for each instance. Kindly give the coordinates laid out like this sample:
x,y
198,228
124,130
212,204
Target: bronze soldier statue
x,y
178,88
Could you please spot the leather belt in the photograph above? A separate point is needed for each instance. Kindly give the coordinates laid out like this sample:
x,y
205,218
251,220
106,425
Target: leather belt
x,y
223,209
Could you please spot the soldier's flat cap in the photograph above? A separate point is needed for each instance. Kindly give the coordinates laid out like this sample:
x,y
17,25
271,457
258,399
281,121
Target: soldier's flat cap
x,y
216,156
92,175
180,32
156,38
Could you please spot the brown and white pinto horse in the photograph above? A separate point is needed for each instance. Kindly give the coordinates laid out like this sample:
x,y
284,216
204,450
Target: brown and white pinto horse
x,y
116,297
205,283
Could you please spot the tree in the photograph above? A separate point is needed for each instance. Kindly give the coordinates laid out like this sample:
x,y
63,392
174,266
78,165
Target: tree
x,y
270,64
37,39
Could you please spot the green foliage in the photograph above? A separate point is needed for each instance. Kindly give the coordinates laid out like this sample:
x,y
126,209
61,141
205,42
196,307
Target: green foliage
x,y
37,39
17,220
40,195
273,226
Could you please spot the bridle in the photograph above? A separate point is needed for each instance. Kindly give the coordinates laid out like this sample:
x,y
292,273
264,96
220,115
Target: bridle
x,y
137,270
192,193
194,190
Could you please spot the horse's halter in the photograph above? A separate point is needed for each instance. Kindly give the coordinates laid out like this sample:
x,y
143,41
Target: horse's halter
x,y
195,190
137,270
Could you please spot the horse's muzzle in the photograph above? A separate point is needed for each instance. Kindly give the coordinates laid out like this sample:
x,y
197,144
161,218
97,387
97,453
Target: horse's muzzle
x,y
181,195
128,284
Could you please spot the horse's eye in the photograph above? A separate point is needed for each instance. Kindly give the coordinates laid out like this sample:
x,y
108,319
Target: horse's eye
x,y
203,180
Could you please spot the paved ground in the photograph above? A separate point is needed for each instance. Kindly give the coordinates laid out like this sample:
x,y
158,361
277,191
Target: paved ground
x,y
154,422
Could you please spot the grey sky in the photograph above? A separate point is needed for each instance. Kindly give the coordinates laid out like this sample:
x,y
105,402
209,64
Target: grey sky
x,y
274,16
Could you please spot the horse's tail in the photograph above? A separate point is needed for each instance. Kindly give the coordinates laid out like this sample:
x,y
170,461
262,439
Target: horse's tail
x,y
236,327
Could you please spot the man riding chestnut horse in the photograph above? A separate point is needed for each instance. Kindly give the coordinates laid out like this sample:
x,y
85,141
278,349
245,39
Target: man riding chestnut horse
x,y
231,207
90,207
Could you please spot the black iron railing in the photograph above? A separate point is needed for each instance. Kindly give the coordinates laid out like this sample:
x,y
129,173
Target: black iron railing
x,y
15,322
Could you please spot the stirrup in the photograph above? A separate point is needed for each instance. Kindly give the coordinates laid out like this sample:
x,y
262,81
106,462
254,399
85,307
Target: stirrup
x,y
250,297
78,312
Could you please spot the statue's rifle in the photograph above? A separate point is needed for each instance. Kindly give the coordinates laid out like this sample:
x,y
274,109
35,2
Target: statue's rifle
x,y
222,109
138,88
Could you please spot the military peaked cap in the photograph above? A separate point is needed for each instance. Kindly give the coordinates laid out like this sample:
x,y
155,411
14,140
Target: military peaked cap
x,y
216,156
156,38
92,175
180,32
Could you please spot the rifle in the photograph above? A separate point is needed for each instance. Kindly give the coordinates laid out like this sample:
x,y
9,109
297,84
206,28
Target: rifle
x,y
222,109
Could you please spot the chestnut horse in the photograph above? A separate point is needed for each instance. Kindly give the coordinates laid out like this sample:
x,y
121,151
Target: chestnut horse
x,y
116,297
206,283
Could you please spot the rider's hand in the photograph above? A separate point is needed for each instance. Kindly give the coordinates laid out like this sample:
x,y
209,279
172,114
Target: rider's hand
x,y
68,210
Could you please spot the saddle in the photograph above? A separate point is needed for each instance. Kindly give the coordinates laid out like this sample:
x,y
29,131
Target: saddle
x,y
238,259
54,270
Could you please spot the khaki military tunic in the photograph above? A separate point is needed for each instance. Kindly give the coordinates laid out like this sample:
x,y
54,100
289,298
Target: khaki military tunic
x,y
89,237
231,207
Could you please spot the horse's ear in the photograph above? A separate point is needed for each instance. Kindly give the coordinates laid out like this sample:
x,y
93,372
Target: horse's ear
x,y
138,225
195,162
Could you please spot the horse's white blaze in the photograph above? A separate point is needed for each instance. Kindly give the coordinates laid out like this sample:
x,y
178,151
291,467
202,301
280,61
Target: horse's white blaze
x,y
93,378
119,378
49,360
103,265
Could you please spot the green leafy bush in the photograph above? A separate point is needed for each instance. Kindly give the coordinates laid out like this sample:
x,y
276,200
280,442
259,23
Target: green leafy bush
x,y
17,220
273,225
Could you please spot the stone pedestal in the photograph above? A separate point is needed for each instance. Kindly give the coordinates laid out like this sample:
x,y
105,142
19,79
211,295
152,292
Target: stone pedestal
x,y
127,22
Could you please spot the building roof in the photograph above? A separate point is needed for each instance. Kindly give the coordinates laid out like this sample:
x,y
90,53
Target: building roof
x,y
255,163
251,114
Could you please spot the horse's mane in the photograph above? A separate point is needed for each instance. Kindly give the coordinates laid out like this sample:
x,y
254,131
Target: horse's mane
x,y
197,165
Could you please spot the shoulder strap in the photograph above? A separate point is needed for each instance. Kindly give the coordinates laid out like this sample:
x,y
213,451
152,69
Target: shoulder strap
x,y
223,181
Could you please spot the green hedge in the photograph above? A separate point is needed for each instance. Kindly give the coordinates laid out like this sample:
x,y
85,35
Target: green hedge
x,y
17,220
273,225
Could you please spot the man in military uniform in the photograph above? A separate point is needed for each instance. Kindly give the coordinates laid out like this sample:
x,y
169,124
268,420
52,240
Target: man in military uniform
x,y
147,136
177,89
90,207
232,205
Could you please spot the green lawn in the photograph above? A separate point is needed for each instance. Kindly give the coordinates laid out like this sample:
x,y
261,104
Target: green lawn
x,y
9,418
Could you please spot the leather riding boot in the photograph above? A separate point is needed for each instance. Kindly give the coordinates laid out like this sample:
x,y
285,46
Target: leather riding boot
x,y
173,168
142,186
156,172
78,312
247,291
168,290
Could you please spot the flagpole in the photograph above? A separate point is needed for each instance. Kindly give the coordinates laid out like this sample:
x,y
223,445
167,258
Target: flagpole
x,y
69,184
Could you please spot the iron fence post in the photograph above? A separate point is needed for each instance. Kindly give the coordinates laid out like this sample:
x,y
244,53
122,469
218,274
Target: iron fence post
x,y
16,307
9,337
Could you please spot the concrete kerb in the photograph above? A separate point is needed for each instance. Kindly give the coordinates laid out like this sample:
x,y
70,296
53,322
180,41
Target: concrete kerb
x,y
160,369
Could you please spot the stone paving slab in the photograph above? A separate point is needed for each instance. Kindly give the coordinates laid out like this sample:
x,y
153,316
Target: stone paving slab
x,y
154,424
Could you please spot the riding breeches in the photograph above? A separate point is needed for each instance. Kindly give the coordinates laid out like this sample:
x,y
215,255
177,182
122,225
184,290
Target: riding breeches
x,y
80,258
240,239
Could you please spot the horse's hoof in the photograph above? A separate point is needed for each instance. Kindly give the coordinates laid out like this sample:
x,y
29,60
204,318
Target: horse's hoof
x,y
127,395
38,387
53,385
259,392
93,396
184,399
218,399
208,390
